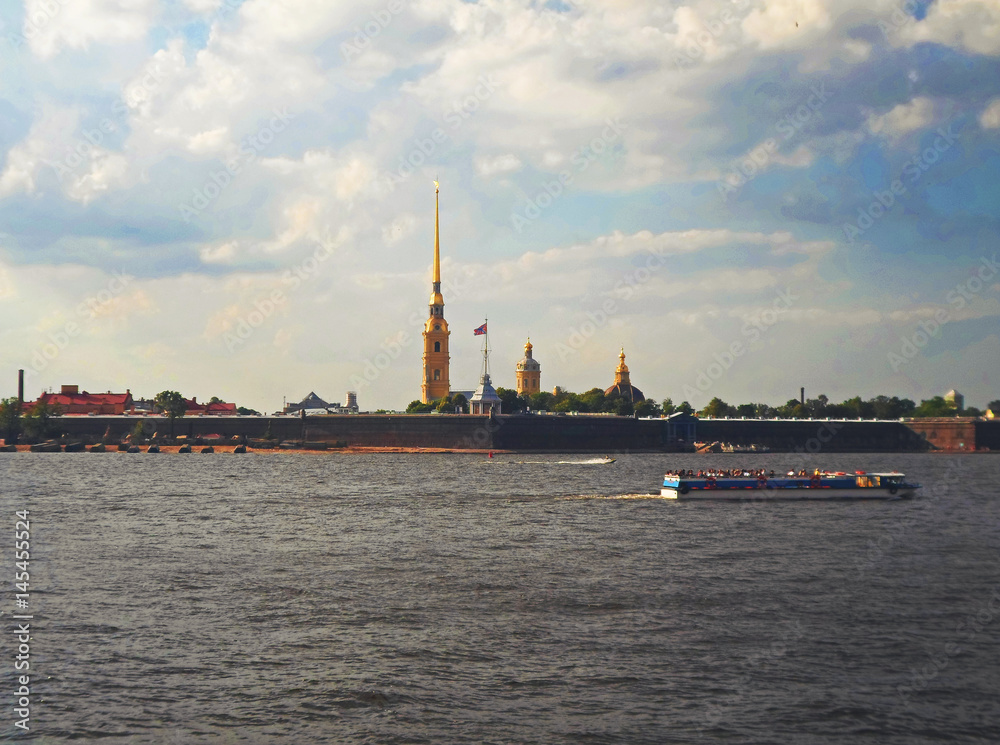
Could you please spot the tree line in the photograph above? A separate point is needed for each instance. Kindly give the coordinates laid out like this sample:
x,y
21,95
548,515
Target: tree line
x,y
878,407
595,401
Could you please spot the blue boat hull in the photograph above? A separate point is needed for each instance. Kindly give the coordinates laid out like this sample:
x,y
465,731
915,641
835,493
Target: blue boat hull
x,y
782,489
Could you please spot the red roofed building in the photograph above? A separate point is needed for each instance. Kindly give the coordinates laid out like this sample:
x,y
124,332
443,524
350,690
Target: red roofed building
x,y
71,401
217,408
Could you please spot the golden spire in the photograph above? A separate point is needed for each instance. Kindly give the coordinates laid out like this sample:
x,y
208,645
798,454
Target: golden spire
x,y
437,237
437,301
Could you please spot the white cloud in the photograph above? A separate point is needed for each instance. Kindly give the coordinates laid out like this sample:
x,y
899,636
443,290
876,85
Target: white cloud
x,y
399,229
990,118
781,22
50,153
972,25
54,25
222,253
903,119
492,165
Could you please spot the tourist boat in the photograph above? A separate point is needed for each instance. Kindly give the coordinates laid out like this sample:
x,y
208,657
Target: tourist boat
x,y
826,485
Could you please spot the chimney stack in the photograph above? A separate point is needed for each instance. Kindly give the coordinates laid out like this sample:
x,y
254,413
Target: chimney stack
x,y
802,396
20,387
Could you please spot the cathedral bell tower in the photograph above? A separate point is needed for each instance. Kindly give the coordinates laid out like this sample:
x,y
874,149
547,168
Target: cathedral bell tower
x,y
436,358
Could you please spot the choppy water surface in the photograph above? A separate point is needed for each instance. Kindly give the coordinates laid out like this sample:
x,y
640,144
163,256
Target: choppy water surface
x,y
449,599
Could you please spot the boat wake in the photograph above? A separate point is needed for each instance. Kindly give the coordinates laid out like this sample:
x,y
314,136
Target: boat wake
x,y
586,462
612,497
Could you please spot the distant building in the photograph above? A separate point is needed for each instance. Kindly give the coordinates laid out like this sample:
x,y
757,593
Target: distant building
x,y
528,373
71,401
351,402
216,408
485,400
312,401
623,385
956,399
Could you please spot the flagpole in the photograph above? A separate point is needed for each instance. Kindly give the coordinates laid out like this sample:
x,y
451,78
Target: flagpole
x,y
486,346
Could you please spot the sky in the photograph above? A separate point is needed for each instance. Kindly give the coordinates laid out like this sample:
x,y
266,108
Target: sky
x,y
236,199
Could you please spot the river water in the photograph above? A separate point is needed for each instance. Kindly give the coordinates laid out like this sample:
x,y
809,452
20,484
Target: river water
x,y
332,598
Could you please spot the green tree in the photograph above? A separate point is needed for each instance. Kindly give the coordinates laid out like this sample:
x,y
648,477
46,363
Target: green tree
x,y
685,408
461,403
419,407
934,407
509,402
444,405
10,419
994,406
649,407
37,420
668,407
247,412
542,401
817,406
717,408
884,407
593,400
172,405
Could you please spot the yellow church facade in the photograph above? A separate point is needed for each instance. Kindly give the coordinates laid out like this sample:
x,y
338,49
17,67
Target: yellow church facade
x,y
528,373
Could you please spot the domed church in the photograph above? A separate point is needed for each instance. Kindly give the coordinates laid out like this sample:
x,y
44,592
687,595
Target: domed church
x,y
528,373
623,386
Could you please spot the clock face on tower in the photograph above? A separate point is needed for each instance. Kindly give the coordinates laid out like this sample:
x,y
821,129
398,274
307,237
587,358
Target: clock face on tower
x,y
437,326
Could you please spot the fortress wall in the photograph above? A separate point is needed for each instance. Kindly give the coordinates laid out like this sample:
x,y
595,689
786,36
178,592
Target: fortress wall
x,y
563,433
812,435
538,433
988,435
946,434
